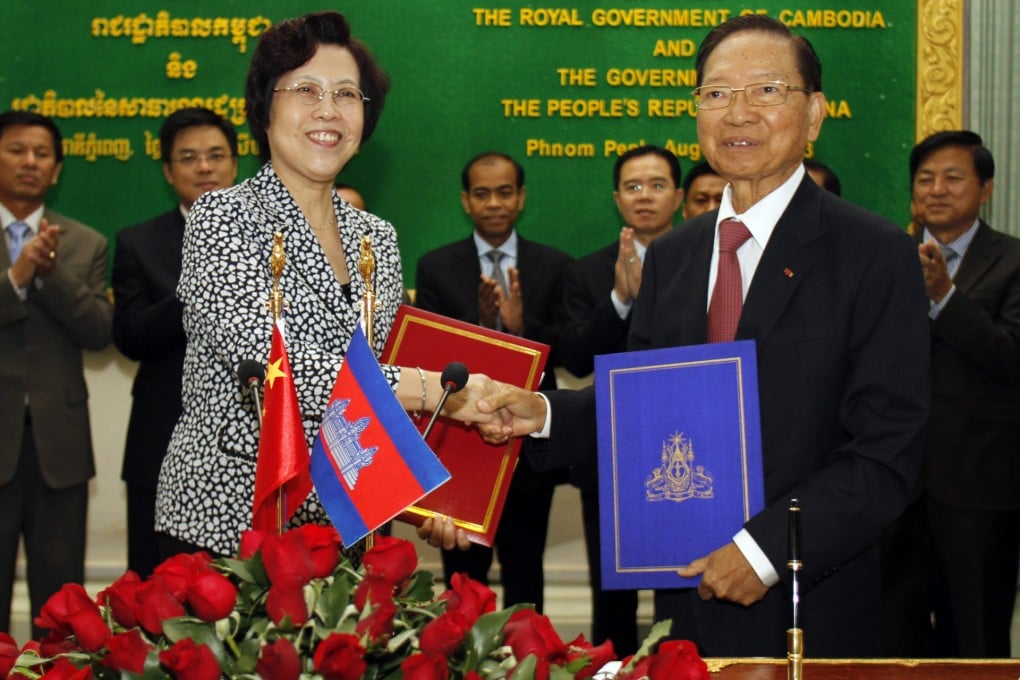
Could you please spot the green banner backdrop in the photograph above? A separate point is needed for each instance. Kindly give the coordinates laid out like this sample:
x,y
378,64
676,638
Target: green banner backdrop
x,y
563,89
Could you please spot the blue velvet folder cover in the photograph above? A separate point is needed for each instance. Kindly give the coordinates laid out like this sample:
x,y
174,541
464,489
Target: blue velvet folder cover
x,y
679,458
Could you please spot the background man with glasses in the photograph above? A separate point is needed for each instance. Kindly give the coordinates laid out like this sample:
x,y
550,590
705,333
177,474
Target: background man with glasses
x,y
599,292
834,299
199,150
954,552
53,304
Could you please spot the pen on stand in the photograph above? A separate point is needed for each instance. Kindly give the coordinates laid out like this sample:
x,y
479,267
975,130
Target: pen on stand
x,y
795,635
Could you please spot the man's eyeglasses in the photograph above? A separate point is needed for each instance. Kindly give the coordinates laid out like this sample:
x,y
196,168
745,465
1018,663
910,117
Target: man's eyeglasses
x,y
773,93
190,158
636,188
311,94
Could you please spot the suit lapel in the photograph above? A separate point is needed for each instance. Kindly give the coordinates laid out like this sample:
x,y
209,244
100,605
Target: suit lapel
x,y
787,260
982,253
692,273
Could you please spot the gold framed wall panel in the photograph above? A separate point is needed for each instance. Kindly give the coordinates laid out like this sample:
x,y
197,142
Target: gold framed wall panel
x,y
940,51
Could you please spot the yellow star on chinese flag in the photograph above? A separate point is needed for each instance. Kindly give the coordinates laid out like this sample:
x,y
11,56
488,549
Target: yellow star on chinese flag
x,y
274,372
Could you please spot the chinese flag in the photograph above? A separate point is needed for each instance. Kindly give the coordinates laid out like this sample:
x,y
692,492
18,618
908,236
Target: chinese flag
x,y
283,451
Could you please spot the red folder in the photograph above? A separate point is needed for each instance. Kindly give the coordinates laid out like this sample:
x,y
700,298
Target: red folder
x,y
480,472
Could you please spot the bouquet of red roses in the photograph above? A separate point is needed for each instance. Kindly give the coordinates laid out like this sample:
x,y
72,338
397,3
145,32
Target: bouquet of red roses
x,y
289,607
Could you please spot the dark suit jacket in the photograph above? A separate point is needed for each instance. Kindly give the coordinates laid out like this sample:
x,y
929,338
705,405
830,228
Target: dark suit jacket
x,y
972,456
592,324
837,307
41,342
447,283
147,327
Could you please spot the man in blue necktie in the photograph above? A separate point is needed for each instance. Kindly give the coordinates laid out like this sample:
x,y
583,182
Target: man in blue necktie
x,y
963,533
498,279
53,304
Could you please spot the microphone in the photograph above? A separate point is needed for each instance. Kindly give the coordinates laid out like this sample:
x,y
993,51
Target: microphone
x,y
251,374
453,378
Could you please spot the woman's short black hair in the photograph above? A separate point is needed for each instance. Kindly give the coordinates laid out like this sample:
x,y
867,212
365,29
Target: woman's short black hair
x,y
293,42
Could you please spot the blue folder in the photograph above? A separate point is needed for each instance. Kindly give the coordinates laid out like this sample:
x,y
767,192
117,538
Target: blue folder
x,y
679,458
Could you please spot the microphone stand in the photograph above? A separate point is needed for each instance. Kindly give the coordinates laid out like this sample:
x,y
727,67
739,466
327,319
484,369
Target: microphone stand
x,y
795,635
453,377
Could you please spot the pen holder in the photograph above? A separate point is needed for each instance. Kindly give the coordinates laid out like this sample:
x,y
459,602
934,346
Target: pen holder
x,y
794,654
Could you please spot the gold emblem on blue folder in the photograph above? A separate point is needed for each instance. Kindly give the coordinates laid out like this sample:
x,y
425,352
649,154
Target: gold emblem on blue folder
x,y
678,479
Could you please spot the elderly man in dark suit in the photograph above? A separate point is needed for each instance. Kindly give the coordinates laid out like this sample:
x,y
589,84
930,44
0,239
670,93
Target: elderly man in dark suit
x,y
199,150
833,297
53,304
964,530
498,279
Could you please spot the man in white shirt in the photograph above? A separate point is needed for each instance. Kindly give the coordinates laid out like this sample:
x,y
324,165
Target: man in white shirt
x,y
53,304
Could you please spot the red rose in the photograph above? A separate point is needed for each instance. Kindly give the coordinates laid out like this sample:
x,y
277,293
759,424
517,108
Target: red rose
x,y
120,598
324,546
287,600
469,598
425,667
377,620
472,675
65,670
597,656
279,661
55,645
181,570
392,558
9,653
186,659
128,651
155,603
287,559
443,635
212,596
70,611
340,657
251,541
372,589
677,660
528,632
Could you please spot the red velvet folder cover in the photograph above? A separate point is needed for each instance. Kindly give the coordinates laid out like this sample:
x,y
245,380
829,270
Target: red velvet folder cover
x,y
480,472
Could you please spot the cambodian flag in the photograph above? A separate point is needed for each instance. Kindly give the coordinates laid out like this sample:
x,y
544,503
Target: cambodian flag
x,y
369,463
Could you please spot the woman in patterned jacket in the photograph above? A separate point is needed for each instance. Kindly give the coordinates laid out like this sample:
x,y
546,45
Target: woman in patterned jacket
x,y
313,94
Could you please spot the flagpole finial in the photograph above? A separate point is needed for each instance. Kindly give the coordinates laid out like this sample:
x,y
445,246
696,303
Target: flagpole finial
x,y
277,260
366,265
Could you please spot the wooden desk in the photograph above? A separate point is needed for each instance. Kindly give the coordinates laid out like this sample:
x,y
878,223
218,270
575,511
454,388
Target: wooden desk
x,y
868,669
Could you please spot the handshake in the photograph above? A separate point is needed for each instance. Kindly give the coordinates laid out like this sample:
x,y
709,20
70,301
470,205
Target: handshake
x,y
498,410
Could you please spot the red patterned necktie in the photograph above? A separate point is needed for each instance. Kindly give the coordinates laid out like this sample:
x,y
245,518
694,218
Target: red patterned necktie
x,y
728,295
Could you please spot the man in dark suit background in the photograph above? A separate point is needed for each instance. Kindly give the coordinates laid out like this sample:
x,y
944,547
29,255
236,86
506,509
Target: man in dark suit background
x,y
963,534
834,299
199,150
498,279
599,291
53,304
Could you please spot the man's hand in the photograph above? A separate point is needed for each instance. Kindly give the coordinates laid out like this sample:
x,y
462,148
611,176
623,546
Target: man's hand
x,y
38,255
936,274
43,250
441,532
628,268
516,412
726,575
511,310
488,302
